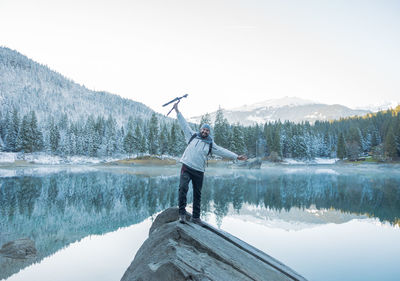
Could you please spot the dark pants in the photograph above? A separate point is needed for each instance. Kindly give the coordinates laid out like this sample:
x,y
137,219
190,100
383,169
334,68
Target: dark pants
x,y
188,174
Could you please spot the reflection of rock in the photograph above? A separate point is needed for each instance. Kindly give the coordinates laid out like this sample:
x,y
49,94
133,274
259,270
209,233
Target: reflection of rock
x,y
254,163
19,249
176,251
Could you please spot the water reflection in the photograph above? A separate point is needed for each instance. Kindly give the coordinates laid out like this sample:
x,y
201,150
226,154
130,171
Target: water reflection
x,y
376,197
58,209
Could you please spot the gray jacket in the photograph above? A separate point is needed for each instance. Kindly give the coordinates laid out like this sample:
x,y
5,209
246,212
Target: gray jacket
x,y
195,155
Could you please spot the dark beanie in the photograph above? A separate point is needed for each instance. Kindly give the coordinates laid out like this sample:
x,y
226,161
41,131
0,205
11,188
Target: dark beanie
x,y
206,126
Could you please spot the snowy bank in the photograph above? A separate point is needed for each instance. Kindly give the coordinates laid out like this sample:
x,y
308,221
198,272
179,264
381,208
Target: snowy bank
x,y
8,157
47,159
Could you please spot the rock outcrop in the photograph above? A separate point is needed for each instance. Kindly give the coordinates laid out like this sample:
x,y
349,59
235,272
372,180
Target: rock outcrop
x,y
176,251
19,249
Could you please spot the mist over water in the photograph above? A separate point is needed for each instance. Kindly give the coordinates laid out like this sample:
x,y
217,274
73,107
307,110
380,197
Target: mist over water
x,y
62,207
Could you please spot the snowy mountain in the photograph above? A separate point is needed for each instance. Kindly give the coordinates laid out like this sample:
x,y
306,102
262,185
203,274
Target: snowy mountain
x,y
28,85
287,108
379,107
275,103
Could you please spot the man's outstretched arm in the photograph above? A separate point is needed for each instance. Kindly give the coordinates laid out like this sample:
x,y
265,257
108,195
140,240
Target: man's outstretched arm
x,y
225,153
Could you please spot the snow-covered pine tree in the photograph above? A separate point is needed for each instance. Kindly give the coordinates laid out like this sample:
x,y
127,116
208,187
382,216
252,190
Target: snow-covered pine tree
x,y
276,140
390,144
72,136
286,139
24,142
341,147
397,133
2,129
5,123
221,129
268,137
13,125
91,138
353,143
299,147
120,140
129,143
110,137
173,138
164,140
376,138
131,124
63,122
153,135
36,134
143,144
138,139
324,150
367,140
177,140
54,137
237,140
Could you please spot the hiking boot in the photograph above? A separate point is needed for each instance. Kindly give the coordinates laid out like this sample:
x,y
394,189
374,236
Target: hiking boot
x,y
182,218
198,221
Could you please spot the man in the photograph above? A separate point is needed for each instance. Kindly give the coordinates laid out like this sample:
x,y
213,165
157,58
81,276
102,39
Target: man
x,y
193,160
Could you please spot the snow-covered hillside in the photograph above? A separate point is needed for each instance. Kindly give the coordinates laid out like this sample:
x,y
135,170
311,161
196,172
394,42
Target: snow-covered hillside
x,y
28,85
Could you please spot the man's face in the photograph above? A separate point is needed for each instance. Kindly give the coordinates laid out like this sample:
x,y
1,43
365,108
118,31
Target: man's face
x,y
204,132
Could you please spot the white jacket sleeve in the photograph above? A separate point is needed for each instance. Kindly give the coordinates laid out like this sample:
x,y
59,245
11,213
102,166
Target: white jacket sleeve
x,y
187,131
223,152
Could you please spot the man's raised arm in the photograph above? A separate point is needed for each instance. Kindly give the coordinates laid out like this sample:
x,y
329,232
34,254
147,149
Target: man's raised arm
x,y
187,131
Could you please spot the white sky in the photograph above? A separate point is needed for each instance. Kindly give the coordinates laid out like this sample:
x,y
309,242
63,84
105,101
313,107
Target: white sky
x,y
227,53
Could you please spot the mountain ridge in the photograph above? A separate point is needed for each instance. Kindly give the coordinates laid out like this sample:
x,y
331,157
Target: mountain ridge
x,y
285,109
278,102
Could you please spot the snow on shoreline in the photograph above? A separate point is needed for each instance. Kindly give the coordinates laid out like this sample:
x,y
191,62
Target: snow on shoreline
x,y
46,159
8,157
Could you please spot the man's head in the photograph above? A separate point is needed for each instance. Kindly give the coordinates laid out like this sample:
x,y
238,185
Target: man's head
x,y
205,130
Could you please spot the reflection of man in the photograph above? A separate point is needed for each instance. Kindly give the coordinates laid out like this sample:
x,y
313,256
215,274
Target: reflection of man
x,y
193,160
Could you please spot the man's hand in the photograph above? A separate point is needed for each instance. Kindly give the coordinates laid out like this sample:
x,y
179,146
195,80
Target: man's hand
x,y
176,107
242,157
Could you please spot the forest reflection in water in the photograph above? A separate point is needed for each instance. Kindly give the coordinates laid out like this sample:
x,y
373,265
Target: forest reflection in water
x,y
58,209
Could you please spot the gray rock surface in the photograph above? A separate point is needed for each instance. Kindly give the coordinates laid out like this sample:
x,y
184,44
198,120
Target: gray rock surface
x,y
176,251
19,249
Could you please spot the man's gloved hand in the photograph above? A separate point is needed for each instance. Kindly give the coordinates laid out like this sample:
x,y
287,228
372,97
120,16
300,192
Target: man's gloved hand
x,y
176,107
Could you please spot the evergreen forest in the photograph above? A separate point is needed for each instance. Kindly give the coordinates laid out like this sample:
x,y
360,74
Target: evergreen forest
x,y
375,134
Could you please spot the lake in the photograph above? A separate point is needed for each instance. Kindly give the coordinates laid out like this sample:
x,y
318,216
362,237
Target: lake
x,y
327,222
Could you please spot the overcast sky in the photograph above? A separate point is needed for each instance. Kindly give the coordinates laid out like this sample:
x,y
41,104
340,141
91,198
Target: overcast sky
x,y
222,53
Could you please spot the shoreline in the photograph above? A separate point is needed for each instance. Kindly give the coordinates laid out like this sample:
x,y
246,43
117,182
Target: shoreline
x,y
11,159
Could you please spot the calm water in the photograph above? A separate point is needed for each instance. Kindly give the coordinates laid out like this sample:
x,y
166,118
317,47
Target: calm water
x,y
326,222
